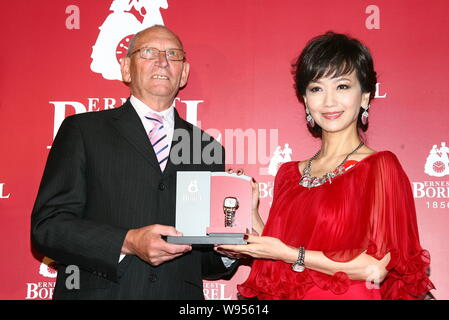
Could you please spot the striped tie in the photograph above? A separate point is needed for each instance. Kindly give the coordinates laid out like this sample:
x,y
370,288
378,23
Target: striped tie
x,y
159,140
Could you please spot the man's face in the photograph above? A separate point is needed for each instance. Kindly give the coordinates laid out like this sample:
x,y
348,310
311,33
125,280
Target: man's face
x,y
159,79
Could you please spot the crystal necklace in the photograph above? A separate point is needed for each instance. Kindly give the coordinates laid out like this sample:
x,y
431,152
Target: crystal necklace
x,y
308,181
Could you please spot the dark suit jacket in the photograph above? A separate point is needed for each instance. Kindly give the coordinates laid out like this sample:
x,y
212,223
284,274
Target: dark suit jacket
x,y
102,179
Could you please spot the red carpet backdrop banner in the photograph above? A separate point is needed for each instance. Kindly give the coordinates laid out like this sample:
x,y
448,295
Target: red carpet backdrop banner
x,y
61,58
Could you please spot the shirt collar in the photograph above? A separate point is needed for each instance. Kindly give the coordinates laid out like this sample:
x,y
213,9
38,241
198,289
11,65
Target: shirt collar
x,y
142,110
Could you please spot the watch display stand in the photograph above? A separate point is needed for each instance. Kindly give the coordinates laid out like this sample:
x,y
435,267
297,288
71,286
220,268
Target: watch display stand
x,y
212,208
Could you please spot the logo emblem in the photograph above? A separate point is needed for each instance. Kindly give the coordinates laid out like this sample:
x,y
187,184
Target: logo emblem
x,y
48,268
117,31
280,156
437,163
193,187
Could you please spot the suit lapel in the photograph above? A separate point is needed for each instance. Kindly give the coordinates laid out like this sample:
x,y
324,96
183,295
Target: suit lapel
x,y
129,125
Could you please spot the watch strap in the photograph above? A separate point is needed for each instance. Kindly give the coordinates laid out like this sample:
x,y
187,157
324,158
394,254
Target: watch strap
x,y
299,266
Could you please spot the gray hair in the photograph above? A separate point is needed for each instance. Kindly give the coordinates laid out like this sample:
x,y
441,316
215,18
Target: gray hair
x,y
133,41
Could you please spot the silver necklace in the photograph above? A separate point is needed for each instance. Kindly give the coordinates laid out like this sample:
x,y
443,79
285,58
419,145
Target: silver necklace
x,y
308,181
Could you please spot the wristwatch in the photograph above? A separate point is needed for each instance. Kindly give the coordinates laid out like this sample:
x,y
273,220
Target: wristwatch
x,y
299,266
230,206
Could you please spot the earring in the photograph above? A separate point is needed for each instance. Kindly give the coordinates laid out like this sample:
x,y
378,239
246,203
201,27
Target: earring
x,y
365,114
309,119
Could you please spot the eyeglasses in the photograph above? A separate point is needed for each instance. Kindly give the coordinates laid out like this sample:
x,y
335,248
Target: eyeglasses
x,y
154,53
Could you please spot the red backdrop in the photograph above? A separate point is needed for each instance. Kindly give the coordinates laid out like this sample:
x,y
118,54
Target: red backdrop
x,y
56,61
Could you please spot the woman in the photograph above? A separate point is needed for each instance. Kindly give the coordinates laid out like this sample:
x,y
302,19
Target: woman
x,y
342,224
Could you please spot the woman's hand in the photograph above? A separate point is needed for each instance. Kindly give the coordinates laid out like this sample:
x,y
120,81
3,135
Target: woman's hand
x,y
260,248
229,254
255,189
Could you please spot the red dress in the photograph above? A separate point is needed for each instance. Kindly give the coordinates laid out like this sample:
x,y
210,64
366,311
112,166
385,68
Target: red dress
x,y
369,208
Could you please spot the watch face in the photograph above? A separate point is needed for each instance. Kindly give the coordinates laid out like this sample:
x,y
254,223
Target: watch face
x,y
230,202
298,268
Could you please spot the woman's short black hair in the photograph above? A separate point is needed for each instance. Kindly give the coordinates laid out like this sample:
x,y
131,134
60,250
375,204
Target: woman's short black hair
x,y
333,55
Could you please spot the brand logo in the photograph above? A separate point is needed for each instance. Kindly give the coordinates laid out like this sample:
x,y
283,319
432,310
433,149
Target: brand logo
x,y
215,291
437,163
193,186
117,31
48,268
43,289
192,192
64,108
280,156
436,192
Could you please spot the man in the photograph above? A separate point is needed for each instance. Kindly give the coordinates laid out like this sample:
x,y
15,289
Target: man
x,y
107,196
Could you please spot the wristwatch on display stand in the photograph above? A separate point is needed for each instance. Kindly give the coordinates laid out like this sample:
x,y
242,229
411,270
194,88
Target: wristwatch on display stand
x,y
230,206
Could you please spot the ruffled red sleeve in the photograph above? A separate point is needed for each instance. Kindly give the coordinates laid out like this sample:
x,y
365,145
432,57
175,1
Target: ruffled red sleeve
x,y
393,228
387,224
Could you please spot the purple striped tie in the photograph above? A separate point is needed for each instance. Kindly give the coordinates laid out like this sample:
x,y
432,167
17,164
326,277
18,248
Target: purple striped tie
x,y
158,139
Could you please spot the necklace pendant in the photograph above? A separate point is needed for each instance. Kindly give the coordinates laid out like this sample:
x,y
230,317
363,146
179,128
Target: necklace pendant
x,y
312,182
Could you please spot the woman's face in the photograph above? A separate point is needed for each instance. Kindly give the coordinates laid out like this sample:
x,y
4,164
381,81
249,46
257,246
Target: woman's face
x,y
334,103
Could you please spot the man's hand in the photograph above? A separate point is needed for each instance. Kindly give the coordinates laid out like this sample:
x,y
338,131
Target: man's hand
x,y
147,244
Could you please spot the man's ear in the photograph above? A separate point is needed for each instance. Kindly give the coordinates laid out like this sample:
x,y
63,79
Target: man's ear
x,y
185,74
125,69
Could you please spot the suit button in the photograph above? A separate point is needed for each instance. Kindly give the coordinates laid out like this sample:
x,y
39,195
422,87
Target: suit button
x,y
162,186
152,277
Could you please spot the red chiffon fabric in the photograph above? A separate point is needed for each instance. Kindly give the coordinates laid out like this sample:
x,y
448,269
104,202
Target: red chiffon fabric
x,y
368,208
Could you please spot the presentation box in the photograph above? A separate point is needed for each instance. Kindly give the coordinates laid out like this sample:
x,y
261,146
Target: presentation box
x,y
212,208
